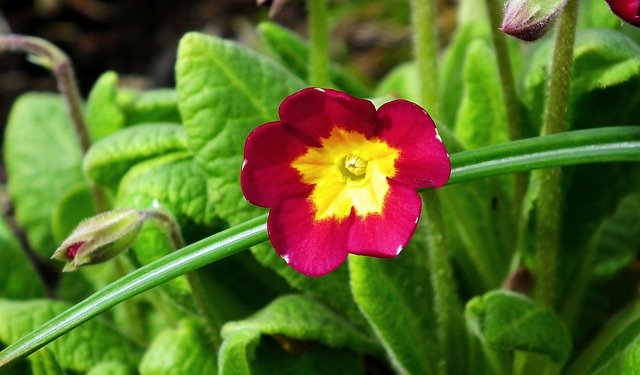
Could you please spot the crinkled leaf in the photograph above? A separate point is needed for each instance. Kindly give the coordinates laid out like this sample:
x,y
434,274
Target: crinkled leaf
x,y
73,351
153,106
43,160
482,118
75,205
396,298
602,58
509,321
293,317
18,278
102,114
225,91
184,349
293,53
108,160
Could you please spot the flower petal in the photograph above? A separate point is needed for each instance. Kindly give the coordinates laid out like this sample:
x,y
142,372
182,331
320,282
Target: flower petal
x,y
313,248
267,175
385,235
315,112
423,161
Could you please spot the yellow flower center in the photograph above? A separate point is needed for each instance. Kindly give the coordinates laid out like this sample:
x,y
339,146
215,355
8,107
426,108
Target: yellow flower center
x,y
347,171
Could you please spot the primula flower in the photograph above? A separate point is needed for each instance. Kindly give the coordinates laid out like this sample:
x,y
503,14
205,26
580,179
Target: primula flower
x,y
628,10
341,177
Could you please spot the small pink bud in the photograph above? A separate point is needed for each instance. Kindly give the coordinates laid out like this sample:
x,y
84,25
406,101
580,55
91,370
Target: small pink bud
x,y
530,19
628,10
100,238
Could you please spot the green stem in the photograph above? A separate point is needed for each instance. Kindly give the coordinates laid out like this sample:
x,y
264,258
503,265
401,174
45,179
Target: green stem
x,y
199,293
446,302
547,244
319,43
424,19
53,58
509,96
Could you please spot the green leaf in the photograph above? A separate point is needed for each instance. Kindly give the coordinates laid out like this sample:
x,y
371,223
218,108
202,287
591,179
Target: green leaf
x,y
396,298
452,69
597,15
294,317
153,106
73,351
293,53
619,239
225,91
75,205
102,115
482,118
44,362
602,59
108,160
621,355
111,368
509,321
43,161
18,278
180,350
401,82
480,232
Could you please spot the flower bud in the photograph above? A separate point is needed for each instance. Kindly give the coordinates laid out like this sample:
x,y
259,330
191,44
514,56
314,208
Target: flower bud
x,y
100,238
628,10
530,19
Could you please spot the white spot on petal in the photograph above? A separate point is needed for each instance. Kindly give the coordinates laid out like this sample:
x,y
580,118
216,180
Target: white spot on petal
x,y
286,258
416,222
244,162
319,89
398,250
438,136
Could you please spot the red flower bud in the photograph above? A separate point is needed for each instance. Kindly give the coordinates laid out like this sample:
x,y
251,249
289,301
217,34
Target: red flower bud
x,y
628,10
530,19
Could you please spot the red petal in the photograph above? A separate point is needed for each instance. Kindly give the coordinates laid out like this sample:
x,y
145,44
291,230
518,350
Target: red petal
x,y
315,112
424,161
311,248
386,234
267,175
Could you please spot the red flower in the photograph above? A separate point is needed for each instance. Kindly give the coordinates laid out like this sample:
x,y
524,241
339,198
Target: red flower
x,y
341,177
628,10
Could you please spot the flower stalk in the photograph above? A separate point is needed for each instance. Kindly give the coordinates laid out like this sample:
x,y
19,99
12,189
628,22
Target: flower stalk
x,y
198,291
47,55
507,84
319,43
424,19
555,121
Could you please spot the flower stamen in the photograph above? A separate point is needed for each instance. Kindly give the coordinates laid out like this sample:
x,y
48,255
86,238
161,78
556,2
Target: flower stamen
x,y
354,167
